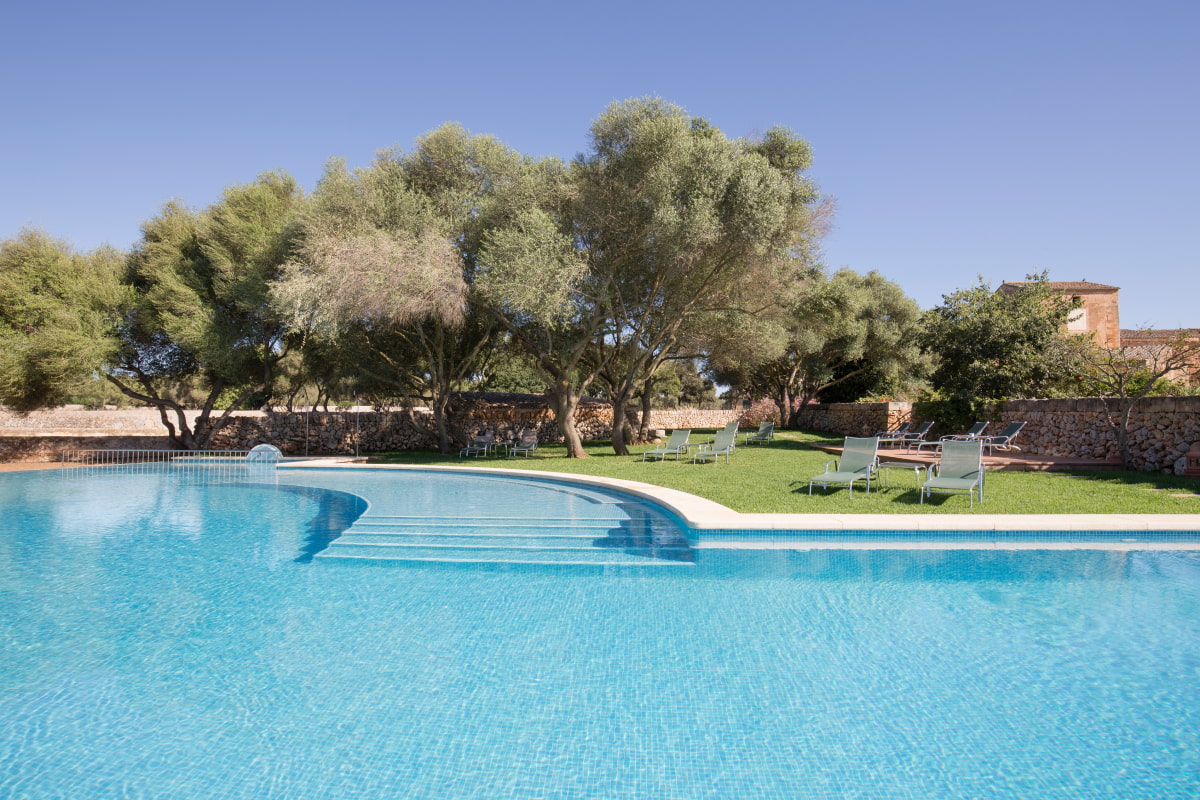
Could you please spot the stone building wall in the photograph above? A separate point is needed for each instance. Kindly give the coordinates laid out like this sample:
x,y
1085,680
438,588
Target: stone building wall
x,y
1099,313
1102,314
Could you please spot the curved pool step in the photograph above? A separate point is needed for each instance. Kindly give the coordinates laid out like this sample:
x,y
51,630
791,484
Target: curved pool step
x,y
490,527
501,527
508,555
508,540
485,539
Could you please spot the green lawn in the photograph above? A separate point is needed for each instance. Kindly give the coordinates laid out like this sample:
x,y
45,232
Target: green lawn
x,y
774,479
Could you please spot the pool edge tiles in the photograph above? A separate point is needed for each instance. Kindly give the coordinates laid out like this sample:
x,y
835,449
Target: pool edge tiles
x,y
712,525
968,540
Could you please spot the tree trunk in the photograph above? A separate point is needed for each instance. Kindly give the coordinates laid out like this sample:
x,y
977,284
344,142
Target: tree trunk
x,y
1123,432
439,418
647,406
564,401
619,425
632,424
783,401
177,438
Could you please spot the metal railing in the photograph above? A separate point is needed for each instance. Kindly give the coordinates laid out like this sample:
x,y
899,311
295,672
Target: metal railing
x,y
207,465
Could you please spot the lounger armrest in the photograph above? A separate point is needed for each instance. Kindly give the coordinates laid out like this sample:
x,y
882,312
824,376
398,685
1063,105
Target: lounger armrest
x,y
833,461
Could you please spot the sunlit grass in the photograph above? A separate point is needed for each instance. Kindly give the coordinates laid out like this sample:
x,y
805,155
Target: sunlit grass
x,y
774,479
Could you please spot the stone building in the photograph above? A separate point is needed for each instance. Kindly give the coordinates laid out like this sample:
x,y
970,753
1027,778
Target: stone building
x,y
1100,315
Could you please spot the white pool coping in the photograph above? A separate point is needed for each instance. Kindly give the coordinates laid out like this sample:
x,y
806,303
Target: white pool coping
x,y
779,531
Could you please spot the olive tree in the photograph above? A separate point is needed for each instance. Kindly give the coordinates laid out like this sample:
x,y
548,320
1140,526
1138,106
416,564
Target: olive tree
x,y
186,310
835,329
383,270
664,220
59,315
202,313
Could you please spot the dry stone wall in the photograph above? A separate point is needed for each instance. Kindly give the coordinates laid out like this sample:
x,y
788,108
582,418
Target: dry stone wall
x,y
1161,429
80,421
854,419
669,419
43,435
326,432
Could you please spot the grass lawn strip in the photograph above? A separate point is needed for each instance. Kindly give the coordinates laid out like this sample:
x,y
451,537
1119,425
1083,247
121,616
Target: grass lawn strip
x,y
774,480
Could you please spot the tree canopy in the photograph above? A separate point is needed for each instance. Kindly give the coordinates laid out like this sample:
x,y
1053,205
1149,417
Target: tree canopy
x,y
832,331
383,270
463,264
202,312
187,309
663,221
59,315
997,344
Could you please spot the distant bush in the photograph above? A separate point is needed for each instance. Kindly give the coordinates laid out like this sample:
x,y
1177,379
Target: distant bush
x,y
761,411
954,414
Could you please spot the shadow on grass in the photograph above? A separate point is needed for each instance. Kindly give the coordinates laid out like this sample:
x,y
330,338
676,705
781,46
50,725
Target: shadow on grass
x,y
900,495
1141,480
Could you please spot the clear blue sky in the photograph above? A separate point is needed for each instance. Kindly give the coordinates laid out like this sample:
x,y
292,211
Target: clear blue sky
x,y
959,138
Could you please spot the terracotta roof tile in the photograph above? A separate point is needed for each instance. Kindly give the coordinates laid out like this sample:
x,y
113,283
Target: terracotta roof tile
x,y
1162,333
1067,285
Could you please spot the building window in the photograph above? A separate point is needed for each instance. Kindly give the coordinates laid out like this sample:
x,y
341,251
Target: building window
x,y
1077,321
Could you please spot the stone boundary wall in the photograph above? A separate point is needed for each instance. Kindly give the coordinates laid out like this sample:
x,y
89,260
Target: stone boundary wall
x,y
668,419
80,421
43,435
854,419
49,447
1160,432
1161,429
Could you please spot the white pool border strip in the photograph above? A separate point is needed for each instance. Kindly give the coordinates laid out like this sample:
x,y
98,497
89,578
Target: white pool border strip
x,y
778,530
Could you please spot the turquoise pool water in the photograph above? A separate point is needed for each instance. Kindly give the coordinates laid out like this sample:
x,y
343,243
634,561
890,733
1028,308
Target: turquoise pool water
x,y
186,639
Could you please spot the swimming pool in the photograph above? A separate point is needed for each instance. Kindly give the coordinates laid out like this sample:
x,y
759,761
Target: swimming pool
x,y
169,639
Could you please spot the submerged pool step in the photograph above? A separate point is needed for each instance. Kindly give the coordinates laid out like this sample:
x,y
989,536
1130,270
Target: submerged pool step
x,y
473,539
509,555
503,540
522,529
371,522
